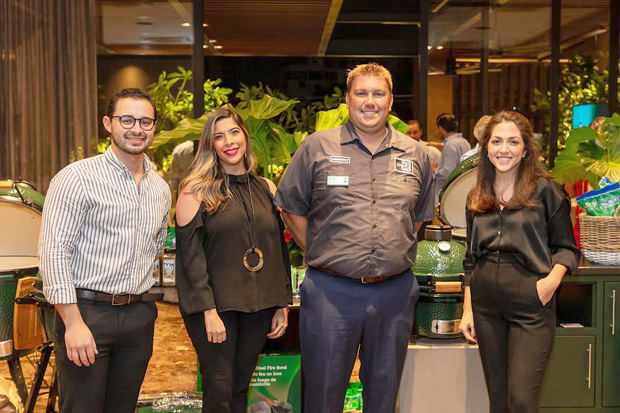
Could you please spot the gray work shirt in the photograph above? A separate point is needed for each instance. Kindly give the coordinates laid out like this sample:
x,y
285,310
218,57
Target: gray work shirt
x,y
364,227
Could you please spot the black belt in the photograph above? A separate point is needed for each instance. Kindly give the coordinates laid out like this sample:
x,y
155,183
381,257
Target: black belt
x,y
363,280
497,256
116,299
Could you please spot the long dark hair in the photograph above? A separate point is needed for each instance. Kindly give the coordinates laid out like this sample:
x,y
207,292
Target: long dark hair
x,y
482,197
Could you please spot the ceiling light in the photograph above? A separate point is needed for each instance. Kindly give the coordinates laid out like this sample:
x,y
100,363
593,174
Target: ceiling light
x,y
429,47
218,47
204,46
213,41
205,25
185,24
439,47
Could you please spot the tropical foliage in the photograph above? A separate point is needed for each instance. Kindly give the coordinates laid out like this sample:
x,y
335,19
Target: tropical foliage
x,y
590,154
339,116
581,82
277,124
174,102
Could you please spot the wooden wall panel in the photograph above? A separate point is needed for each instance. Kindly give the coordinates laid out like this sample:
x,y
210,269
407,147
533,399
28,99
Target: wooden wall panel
x,y
513,86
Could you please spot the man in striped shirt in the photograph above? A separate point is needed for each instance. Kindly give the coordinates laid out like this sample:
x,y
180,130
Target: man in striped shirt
x,y
104,223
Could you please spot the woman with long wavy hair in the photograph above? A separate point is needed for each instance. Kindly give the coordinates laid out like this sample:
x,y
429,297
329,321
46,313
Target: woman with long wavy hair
x,y
232,262
520,245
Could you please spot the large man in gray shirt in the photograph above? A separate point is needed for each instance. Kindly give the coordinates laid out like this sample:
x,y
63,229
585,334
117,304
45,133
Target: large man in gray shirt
x,y
353,198
454,146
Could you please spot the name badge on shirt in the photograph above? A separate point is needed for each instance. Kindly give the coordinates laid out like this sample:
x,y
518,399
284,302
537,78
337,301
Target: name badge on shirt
x,y
337,180
339,159
403,166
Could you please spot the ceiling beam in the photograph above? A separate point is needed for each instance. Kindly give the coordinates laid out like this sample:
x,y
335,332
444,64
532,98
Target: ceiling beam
x,y
373,47
328,28
379,18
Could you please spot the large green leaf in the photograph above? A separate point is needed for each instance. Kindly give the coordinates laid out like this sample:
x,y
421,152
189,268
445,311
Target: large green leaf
x,y
268,107
610,169
398,124
590,154
259,130
327,119
298,137
569,165
270,142
281,142
569,168
187,129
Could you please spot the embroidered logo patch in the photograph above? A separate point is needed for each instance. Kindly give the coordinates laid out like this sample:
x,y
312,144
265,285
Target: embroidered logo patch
x,y
403,166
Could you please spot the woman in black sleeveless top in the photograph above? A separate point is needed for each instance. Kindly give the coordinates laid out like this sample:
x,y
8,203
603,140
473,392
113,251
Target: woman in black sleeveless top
x,y
232,262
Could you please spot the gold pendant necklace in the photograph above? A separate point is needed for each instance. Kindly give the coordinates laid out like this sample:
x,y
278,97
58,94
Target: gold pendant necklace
x,y
253,250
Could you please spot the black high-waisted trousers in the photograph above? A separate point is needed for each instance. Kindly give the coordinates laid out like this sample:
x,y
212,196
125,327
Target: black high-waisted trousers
x,y
515,332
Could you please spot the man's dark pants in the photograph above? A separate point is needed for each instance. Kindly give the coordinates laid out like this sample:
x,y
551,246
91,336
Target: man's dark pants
x,y
338,316
124,338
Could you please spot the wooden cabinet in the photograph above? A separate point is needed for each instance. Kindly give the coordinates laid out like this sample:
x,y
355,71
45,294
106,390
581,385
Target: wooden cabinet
x,y
611,345
569,380
583,374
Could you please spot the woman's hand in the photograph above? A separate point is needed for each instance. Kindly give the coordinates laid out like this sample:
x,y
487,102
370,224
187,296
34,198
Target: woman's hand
x,y
216,332
467,327
279,322
467,320
546,288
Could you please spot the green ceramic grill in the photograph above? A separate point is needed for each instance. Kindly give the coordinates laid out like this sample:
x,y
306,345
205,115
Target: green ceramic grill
x,y
20,221
453,196
439,271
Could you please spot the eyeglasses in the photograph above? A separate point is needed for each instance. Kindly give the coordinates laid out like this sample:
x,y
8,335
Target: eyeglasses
x,y
127,122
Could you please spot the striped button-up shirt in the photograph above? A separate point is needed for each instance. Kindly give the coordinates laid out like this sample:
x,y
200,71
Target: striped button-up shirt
x,y
100,230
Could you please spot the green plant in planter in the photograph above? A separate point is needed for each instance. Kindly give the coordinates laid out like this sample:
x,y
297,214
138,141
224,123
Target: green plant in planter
x,y
590,154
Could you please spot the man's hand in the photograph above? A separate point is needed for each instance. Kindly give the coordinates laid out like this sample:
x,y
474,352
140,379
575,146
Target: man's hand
x,y
79,341
279,322
216,332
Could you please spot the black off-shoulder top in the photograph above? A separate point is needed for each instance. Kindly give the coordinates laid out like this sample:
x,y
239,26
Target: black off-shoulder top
x,y
210,250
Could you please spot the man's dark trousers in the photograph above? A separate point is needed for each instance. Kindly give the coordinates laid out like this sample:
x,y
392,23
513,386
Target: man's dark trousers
x,y
124,338
338,316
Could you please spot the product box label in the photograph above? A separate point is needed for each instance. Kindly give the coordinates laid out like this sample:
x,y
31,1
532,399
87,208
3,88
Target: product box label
x,y
276,384
168,272
156,273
